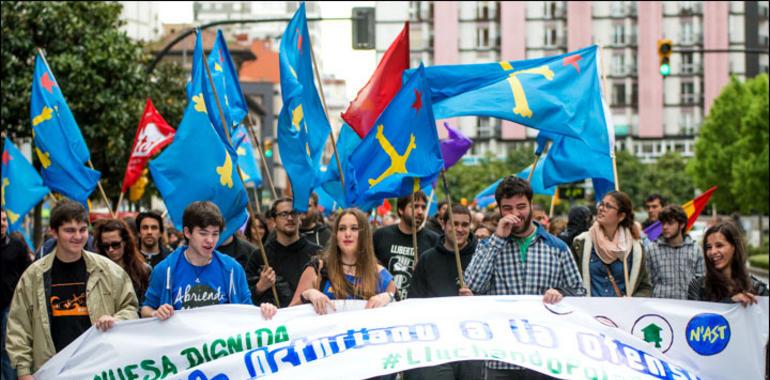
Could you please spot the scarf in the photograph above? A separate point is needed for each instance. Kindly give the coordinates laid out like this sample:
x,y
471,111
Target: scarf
x,y
610,250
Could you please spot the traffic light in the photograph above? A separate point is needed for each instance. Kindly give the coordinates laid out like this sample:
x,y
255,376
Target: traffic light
x,y
268,148
664,55
363,28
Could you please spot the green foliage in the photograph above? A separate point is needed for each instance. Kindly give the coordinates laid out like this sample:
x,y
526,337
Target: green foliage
x,y
99,69
666,177
465,181
759,261
732,148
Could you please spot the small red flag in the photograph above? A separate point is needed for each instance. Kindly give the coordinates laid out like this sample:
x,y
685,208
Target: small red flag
x,y
381,88
152,134
694,207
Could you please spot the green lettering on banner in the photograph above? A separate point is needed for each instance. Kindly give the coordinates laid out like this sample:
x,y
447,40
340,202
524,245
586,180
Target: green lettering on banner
x,y
194,358
216,354
149,366
235,344
266,332
168,367
281,335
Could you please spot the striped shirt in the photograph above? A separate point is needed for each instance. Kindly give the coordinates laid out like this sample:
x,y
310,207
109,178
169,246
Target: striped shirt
x,y
497,269
672,268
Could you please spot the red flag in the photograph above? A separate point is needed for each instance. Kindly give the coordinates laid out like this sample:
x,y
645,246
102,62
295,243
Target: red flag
x,y
152,134
694,207
384,208
382,86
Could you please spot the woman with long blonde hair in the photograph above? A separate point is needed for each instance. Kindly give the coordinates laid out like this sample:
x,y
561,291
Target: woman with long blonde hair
x,y
347,270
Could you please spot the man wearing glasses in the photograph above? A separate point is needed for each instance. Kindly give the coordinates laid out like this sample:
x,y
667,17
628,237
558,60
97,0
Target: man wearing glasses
x,y
287,256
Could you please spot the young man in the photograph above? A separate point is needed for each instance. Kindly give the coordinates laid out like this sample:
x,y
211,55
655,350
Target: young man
x,y
51,306
313,227
654,203
436,272
149,227
14,260
675,258
520,258
436,276
287,255
435,223
393,244
195,274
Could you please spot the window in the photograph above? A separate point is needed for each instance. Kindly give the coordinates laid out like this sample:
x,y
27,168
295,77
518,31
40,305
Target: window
x,y
619,94
618,64
482,37
687,34
688,66
618,34
482,10
634,94
237,6
688,92
549,36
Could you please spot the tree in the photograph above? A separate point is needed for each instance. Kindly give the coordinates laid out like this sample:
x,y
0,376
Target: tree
x,y
100,70
732,148
465,181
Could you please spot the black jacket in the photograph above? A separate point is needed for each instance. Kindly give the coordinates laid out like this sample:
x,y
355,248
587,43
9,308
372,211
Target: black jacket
x,y
318,235
13,262
436,272
288,262
239,249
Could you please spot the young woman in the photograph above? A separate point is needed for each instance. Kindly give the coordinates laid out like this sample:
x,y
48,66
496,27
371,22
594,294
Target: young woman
x,y
256,230
115,240
348,270
726,279
609,255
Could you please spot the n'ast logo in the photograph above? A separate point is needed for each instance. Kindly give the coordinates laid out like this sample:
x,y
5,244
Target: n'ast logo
x,y
708,334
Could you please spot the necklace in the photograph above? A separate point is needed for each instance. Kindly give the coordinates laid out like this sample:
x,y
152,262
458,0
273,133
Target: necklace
x,y
348,265
197,269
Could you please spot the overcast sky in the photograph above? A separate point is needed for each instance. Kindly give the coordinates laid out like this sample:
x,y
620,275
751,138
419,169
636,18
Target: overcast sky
x,y
339,59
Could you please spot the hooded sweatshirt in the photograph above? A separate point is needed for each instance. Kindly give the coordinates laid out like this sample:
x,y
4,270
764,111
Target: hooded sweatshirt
x,y
288,262
436,272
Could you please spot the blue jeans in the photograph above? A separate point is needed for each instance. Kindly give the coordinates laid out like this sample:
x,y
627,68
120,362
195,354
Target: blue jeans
x,y
8,372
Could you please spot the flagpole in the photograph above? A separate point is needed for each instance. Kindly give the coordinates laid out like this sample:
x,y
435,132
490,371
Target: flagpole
x,y
534,164
326,112
258,143
458,262
237,169
120,199
553,203
414,227
430,203
612,148
104,195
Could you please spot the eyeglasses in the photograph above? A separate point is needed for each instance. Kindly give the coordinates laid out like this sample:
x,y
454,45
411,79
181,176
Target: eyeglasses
x,y
605,206
113,245
286,214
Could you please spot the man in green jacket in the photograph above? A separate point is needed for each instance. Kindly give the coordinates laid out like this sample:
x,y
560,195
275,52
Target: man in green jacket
x,y
62,295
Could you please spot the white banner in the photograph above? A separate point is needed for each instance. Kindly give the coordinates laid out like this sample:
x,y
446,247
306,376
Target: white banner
x,y
580,338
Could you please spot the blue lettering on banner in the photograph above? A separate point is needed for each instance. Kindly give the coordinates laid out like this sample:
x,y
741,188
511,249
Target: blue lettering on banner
x,y
200,375
615,352
708,334
263,361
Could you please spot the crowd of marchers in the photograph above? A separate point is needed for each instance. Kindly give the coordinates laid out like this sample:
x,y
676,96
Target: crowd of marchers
x,y
96,275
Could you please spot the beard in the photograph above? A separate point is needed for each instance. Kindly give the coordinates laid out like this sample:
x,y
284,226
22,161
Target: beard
x,y
409,221
524,226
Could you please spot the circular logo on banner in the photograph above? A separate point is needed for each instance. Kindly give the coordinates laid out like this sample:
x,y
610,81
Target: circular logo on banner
x,y
708,333
655,330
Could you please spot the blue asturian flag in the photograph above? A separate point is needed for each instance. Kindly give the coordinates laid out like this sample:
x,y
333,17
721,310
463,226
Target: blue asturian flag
x,y
22,186
246,161
302,124
559,94
198,167
59,144
401,153
200,88
225,77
